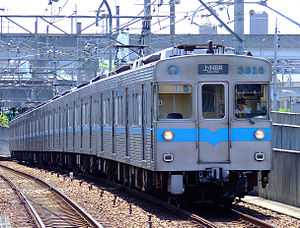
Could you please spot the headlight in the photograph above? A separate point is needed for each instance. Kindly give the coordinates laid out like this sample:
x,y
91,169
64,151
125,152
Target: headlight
x,y
259,134
168,135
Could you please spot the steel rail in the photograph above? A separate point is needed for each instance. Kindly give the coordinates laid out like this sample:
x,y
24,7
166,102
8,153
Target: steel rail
x,y
151,199
169,207
37,219
252,219
194,217
154,200
74,205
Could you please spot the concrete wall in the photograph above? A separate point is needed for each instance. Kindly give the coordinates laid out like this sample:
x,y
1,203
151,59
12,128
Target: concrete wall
x,y
284,182
4,135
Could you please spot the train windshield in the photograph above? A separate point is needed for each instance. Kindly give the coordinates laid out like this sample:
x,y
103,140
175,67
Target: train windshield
x,y
175,101
251,101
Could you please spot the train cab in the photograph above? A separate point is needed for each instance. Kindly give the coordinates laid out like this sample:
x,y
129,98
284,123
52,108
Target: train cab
x,y
212,118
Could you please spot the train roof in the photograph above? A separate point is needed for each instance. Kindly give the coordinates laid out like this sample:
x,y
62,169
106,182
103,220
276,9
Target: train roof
x,y
172,52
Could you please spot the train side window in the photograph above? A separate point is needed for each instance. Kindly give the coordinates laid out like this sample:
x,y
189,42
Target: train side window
x,y
53,138
59,125
50,128
126,122
175,101
213,101
104,111
140,111
69,111
90,121
85,115
133,109
116,110
77,117
137,109
121,112
81,123
107,111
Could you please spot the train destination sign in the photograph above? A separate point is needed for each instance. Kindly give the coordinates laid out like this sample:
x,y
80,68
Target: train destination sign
x,y
213,68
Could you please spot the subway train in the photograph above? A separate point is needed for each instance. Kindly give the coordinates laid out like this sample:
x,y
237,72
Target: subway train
x,y
189,122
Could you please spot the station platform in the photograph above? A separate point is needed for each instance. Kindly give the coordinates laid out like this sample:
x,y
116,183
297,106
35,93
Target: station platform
x,y
273,205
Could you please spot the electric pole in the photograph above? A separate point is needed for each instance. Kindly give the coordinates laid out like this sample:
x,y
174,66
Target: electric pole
x,y
275,101
239,24
146,30
118,16
172,20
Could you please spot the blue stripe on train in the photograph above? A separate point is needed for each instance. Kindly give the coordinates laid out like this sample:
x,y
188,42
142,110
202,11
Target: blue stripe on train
x,y
190,134
213,137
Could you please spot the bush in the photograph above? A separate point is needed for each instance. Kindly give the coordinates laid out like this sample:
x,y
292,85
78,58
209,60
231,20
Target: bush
x,y
3,120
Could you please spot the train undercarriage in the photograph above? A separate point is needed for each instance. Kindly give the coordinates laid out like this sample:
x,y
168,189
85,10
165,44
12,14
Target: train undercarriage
x,y
197,186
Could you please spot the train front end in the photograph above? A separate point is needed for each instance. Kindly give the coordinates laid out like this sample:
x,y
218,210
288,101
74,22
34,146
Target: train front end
x,y
212,125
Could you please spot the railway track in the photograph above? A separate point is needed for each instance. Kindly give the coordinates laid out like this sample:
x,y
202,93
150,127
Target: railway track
x,y
234,218
47,206
250,221
237,217
29,208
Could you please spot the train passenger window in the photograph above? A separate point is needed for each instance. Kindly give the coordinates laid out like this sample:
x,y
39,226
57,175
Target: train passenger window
x,y
213,101
85,115
104,111
251,101
119,112
116,110
140,112
53,130
136,109
175,101
107,111
69,111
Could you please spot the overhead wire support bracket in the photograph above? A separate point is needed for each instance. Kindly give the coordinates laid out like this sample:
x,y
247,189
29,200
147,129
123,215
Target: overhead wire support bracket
x,y
220,20
17,24
52,24
104,2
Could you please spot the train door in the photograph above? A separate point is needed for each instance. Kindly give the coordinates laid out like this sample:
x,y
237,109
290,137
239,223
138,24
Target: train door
x,y
213,122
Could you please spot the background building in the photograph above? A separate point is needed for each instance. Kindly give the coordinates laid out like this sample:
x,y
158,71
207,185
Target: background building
x,y
258,22
208,29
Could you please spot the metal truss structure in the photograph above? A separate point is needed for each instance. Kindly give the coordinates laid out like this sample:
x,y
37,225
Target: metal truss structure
x,y
43,55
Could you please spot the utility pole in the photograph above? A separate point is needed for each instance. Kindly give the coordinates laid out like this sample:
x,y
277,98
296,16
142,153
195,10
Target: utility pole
x,y
118,16
172,21
146,30
209,9
239,24
275,101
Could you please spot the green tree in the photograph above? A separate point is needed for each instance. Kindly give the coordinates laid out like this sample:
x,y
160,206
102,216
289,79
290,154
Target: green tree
x,y
3,120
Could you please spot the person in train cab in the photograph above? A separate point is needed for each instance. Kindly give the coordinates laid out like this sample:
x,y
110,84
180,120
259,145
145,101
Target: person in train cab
x,y
243,109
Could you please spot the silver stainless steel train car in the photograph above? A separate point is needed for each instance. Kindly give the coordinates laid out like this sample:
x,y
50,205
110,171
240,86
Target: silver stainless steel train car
x,y
175,122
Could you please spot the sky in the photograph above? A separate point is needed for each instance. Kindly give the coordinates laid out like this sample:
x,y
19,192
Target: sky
x,y
183,10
